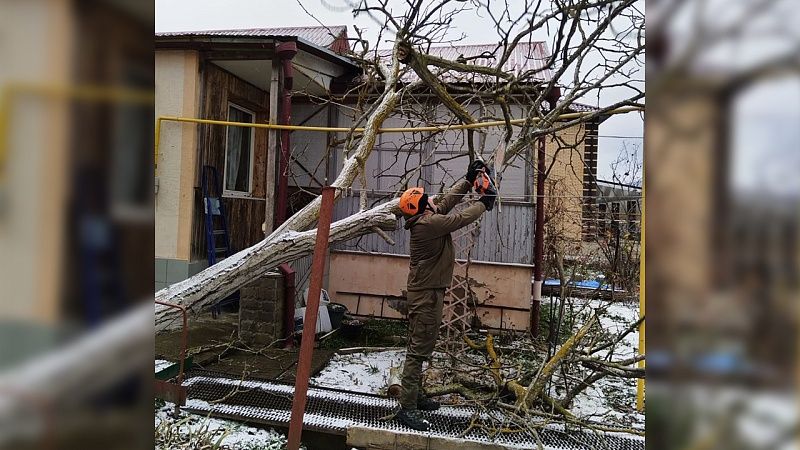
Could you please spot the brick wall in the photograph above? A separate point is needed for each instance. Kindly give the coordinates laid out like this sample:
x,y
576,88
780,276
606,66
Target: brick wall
x,y
261,311
565,156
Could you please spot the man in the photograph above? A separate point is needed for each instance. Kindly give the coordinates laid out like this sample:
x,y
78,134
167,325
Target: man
x,y
431,270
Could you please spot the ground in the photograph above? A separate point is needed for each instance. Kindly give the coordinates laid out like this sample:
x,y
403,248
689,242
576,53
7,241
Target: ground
x,y
362,364
192,431
610,400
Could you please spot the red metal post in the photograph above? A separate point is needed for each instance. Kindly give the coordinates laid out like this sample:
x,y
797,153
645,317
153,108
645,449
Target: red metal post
x,y
538,240
288,302
285,51
310,320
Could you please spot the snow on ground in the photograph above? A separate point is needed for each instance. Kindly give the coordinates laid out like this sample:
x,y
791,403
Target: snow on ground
x,y
236,435
612,400
360,372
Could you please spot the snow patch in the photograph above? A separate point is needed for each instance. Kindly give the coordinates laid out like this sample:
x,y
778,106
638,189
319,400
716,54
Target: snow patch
x,y
360,372
238,437
612,400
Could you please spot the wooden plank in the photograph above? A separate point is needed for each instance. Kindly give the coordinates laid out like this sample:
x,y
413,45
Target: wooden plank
x,y
501,290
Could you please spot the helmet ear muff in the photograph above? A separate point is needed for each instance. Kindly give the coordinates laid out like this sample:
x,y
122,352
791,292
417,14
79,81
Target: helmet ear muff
x,y
423,204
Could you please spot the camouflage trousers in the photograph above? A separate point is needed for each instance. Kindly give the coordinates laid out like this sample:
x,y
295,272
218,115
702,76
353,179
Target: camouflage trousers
x,y
424,319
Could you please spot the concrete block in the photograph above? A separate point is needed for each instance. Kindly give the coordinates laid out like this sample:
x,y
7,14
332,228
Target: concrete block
x,y
258,317
247,324
408,441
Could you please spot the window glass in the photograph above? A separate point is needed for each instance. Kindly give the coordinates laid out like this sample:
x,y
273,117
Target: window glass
x,y
238,152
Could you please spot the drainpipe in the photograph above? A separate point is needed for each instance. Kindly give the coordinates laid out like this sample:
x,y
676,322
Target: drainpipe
x,y
285,52
538,240
538,237
288,303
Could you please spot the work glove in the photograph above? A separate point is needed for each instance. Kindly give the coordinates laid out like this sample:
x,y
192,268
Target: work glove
x,y
473,169
488,198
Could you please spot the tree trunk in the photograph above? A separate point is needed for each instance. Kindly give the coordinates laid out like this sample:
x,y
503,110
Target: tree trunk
x,y
218,281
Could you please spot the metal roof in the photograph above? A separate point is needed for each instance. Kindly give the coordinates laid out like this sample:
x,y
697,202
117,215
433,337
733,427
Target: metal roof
x,y
582,107
525,56
317,35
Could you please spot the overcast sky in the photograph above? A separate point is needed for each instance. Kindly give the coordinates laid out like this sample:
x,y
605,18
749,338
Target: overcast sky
x,y
186,15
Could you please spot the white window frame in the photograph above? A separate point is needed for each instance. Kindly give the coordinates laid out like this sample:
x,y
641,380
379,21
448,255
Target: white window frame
x,y
225,191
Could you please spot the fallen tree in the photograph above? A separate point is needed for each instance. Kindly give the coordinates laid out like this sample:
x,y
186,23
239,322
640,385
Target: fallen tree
x,y
221,279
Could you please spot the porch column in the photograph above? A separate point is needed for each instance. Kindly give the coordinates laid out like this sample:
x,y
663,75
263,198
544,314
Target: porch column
x,y
272,150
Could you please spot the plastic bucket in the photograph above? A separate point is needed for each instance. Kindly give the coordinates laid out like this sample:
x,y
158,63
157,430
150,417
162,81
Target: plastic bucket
x,y
336,312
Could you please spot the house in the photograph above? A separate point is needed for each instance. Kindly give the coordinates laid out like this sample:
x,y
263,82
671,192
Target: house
x,y
619,207
231,75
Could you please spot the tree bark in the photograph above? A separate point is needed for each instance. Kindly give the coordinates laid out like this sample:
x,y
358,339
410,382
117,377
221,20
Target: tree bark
x,y
537,385
219,280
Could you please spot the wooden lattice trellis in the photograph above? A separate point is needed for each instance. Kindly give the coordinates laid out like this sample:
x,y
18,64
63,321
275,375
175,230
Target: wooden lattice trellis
x,y
459,304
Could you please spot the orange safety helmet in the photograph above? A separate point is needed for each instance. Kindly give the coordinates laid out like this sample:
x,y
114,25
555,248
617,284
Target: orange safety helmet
x,y
410,201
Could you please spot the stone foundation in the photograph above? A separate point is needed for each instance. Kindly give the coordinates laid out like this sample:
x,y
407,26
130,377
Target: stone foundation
x,y
261,311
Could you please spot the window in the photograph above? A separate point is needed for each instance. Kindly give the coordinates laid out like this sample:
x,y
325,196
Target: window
x,y
633,216
615,216
602,208
239,151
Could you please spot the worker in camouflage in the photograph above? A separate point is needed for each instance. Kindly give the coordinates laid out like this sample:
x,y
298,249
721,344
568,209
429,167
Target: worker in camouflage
x,y
430,273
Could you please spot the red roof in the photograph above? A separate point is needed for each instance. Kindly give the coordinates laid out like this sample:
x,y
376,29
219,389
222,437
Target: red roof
x,y
332,37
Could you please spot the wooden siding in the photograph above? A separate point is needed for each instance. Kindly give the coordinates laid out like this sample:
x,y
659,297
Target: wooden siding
x,y
245,215
506,237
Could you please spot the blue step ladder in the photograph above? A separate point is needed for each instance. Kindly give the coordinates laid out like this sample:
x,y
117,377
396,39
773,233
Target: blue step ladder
x,y
218,244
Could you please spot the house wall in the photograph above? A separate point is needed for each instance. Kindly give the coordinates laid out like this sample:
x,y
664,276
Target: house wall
x,y
565,183
502,291
112,164
681,139
245,213
444,161
507,232
177,92
32,213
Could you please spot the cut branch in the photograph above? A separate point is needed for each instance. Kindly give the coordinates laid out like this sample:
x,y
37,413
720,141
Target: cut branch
x,y
537,385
